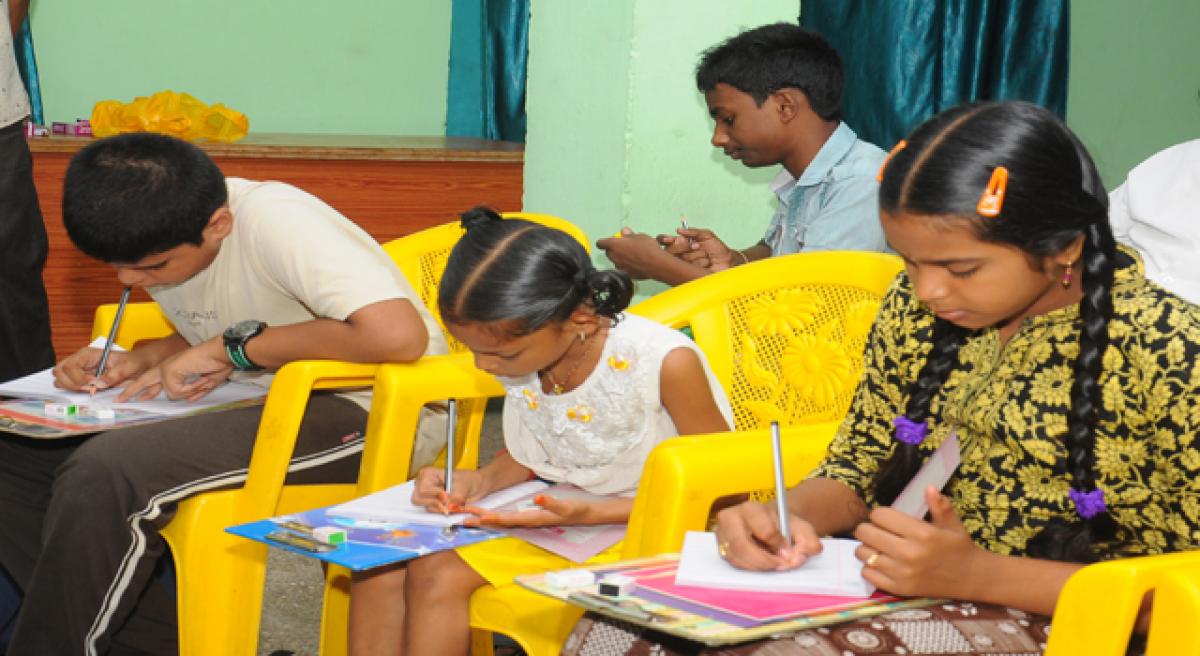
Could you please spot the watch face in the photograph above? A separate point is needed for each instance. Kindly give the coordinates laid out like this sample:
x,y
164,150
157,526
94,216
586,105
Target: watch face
x,y
244,329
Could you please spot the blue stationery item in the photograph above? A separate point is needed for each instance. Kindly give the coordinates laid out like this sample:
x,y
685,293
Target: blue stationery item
x,y
368,543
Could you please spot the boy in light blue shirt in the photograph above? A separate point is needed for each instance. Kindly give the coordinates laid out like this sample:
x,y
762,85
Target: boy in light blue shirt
x,y
774,93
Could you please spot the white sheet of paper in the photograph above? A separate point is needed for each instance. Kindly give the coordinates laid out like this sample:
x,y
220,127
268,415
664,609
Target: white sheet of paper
x,y
395,505
40,385
936,472
834,571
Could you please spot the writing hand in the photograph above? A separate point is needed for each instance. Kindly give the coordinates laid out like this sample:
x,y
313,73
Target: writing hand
x,y
77,372
750,538
913,557
429,490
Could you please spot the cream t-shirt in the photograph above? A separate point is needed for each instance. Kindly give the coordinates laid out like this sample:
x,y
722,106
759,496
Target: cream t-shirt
x,y
289,258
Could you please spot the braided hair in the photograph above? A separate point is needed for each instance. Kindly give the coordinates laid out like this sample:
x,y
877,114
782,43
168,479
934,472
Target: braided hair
x,y
523,276
1053,196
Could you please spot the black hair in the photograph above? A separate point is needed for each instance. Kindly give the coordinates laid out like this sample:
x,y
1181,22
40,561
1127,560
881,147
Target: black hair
x,y
136,194
764,60
523,275
1054,195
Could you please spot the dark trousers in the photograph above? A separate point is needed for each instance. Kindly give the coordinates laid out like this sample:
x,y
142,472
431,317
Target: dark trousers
x,y
79,518
24,313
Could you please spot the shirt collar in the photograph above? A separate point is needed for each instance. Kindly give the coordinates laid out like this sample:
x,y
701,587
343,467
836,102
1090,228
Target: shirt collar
x,y
832,151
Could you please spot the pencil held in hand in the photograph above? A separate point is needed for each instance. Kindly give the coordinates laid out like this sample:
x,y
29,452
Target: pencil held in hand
x,y
112,338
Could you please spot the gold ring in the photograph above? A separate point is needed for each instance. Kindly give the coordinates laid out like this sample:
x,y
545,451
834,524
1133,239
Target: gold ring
x,y
871,561
723,549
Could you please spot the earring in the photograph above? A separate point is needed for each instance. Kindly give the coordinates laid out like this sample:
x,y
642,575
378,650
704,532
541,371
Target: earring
x,y
582,337
1066,279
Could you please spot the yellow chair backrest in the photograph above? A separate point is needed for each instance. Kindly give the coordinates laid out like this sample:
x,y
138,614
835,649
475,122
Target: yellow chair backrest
x,y
785,336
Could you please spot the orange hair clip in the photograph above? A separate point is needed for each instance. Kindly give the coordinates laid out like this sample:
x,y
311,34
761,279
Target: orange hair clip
x,y
895,149
992,198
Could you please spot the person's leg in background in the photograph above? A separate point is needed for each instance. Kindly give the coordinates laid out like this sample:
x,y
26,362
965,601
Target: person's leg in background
x,y
88,566
24,311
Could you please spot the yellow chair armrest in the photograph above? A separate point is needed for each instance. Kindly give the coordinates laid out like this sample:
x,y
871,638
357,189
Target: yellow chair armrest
x,y
140,321
1098,606
401,390
1173,627
684,476
282,415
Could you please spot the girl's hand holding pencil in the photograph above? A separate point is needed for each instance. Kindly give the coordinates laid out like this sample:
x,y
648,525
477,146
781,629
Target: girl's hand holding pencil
x,y
430,490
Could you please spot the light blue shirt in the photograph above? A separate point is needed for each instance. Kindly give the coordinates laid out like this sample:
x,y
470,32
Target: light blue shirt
x,y
834,204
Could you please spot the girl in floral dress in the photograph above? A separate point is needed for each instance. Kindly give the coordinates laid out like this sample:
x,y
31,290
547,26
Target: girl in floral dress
x,y
1070,380
589,393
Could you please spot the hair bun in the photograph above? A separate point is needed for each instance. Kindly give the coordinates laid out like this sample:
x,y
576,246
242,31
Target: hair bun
x,y
477,216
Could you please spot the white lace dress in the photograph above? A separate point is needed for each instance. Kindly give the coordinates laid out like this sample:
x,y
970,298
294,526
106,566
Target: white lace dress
x,y
598,435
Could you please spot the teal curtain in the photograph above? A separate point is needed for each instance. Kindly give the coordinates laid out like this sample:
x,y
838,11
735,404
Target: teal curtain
x,y
489,47
27,64
906,60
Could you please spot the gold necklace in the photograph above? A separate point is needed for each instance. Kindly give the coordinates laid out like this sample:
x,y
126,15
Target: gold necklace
x,y
557,388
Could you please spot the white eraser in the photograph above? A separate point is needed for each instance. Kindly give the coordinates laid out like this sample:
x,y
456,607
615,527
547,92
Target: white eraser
x,y
570,578
616,585
330,534
102,412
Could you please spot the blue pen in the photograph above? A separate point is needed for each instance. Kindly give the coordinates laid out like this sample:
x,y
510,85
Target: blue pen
x,y
780,491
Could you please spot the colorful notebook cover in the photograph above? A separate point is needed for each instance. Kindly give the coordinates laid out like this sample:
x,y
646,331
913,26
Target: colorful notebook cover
x,y
709,616
369,543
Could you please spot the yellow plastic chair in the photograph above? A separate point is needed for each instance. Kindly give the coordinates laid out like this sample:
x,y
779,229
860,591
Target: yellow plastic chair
x,y
401,390
784,336
220,577
1098,606
1095,612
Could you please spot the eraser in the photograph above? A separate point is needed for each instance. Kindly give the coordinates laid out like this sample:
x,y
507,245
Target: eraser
x,y
616,585
330,535
528,504
60,409
570,578
101,412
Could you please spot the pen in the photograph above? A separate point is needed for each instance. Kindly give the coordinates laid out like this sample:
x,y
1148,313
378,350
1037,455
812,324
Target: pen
x,y
112,337
683,222
780,491
451,420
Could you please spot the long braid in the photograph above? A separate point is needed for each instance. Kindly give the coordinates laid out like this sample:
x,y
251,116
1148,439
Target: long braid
x,y
1072,541
899,469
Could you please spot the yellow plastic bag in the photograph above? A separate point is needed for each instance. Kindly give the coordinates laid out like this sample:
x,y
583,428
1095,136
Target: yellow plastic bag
x,y
177,114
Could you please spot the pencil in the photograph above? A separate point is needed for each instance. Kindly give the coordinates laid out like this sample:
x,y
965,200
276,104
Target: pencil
x,y
451,420
780,491
112,337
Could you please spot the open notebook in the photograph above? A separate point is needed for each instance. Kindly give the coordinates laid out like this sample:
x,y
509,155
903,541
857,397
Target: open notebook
x,y
26,413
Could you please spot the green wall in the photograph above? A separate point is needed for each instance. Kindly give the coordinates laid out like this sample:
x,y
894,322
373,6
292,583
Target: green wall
x,y
1135,79
618,134
348,67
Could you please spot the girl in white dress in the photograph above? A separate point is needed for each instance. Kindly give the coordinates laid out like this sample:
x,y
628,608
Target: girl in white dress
x,y
590,392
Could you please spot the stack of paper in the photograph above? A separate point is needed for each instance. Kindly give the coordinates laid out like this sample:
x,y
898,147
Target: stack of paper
x,y
834,571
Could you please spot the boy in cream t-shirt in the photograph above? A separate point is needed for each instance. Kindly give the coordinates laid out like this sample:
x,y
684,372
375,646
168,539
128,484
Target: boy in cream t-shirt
x,y
252,276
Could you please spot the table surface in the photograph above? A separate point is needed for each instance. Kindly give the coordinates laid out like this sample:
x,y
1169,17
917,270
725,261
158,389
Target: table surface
x,y
332,147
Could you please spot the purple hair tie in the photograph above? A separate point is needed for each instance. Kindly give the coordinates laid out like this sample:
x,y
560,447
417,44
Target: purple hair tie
x,y
1088,504
909,431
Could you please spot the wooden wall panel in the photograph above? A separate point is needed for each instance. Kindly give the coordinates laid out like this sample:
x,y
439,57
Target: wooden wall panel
x,y
390,193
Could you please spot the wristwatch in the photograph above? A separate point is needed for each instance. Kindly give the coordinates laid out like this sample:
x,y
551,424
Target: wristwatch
x,y
236,337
